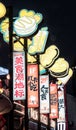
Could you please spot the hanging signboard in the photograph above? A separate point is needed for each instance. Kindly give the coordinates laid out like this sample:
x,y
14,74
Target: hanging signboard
x,y
43,117
32,85
61,105
53,124
53,101
19,76
39,41
44,94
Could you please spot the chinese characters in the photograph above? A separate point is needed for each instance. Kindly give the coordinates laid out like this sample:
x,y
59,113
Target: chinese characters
x,y
19,76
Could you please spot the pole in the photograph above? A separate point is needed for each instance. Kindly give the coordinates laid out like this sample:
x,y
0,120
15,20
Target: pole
x,y
26,101
39,124
10,10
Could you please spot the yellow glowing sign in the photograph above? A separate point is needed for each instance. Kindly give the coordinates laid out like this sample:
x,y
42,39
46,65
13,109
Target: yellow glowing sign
x,y
39,42
60,68
30,13
2,10
50,55
65,79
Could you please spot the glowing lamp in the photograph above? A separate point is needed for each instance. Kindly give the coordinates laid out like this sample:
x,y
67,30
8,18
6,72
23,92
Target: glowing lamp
x,y
2,10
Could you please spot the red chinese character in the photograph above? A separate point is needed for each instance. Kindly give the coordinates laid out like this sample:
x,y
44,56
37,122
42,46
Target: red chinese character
x,y
19,93
19,69
19,85
20,76
18,60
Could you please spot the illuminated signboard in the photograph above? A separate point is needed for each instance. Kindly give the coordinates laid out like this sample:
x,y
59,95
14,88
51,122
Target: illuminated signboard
x,y
2,10
25,26
18,75
53,101
61,106
44,94
39,42
43,118
32,85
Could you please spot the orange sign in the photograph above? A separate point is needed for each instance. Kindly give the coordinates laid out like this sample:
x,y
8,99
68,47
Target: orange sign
x,y
32,84
53,101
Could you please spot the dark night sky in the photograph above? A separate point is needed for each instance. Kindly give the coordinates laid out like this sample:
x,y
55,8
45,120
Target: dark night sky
x,y
60,17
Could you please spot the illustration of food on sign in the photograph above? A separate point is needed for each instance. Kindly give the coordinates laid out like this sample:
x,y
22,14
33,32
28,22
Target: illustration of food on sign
x,y
64,80
2,10
4,27
26,24
60,68
39,42
50,55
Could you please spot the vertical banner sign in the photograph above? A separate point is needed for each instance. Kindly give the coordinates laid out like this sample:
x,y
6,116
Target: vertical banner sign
x,y
61,106
53,101
19,76
53,124
43,117
32,85
44,94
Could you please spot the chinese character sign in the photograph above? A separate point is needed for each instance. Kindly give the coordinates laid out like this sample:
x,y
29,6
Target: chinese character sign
x,y
53,101
61,106
18,76
44,94
32,85
53,124
43,117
